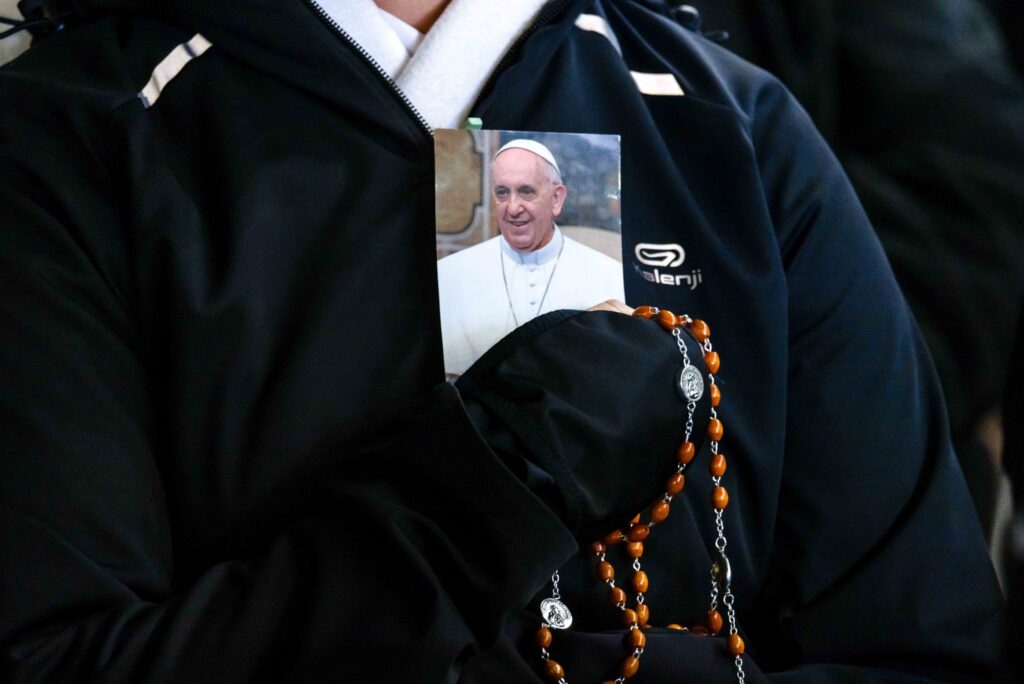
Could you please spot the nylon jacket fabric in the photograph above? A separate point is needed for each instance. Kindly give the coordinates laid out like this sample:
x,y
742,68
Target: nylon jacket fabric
x,y
228,451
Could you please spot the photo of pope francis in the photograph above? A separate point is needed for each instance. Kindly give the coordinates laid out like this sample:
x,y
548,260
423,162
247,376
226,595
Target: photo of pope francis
x,y
529,269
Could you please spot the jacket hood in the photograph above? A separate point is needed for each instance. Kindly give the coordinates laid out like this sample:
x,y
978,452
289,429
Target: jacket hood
x,y
292,40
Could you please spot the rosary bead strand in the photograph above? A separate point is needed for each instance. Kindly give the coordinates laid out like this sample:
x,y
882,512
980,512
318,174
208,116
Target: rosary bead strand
x,y
552,669
719,501
633,540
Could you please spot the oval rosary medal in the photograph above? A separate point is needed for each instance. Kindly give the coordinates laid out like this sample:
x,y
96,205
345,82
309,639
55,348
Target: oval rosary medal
x,y
555,613
721,570
691,384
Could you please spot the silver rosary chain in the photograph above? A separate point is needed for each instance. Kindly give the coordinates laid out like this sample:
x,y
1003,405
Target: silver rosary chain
x,y
723,581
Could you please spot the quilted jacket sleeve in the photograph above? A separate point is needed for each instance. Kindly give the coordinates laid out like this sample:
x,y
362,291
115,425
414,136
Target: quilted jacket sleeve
x,y
878,557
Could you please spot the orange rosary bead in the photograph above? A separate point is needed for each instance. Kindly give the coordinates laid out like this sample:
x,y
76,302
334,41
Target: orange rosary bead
x,y
544,637
629,617
629,667
597,548
660,511
639,533
719,498
666,319
714,621
715,429
614,538
635,520
700,329
643,614
736,645
712,361
644,311
640,582
636,638
553,670
675,484
717,465
716,395
686,452
635,549
699,630
605,571
678,628
617,596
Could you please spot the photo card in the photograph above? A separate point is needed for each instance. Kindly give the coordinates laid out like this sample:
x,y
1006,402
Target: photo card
x,y
527,223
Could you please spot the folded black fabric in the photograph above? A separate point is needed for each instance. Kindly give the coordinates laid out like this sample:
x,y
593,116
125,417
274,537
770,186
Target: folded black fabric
x,y
593,399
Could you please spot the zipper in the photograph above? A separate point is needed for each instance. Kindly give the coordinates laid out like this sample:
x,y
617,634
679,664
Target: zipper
x,y
345,36
543,18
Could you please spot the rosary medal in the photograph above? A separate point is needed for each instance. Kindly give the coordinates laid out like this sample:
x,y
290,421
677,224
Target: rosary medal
x,y
691,384
555,613
721,570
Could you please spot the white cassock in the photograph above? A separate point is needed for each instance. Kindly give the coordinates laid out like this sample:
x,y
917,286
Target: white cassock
x,y
480,304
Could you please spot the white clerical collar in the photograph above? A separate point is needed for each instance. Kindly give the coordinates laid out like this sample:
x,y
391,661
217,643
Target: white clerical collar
x,y
447,71
538,257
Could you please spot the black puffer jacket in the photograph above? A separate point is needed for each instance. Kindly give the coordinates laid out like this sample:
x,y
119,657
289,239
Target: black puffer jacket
x,y
228,453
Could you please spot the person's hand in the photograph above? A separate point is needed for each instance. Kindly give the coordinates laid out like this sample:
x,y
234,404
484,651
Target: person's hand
x,y
613,305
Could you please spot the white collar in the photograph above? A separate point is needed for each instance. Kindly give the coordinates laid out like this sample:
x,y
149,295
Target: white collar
x,y
409,35
451,66
538,257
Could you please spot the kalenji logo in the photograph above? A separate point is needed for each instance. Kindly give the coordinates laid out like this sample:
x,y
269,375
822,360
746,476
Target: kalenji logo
x,y
666,256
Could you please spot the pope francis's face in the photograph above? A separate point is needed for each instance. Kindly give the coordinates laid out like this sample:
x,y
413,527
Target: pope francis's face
x,y
528,198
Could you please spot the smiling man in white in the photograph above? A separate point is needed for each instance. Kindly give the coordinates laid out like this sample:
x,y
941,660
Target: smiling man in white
x,y
531,268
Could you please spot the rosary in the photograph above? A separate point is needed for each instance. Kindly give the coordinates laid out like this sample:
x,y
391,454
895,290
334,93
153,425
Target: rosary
x,y
555,614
